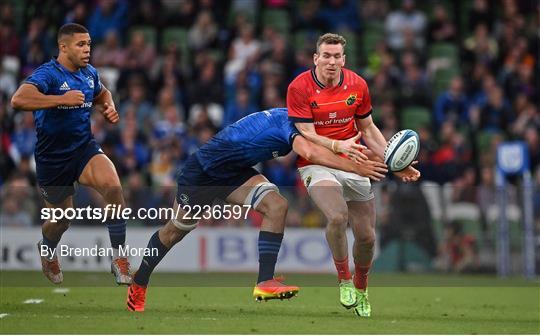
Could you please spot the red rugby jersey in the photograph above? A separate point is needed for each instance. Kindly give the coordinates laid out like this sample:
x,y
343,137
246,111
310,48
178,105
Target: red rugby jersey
x,y
331,110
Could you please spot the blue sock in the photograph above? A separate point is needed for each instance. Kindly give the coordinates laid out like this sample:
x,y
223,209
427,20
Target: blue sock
x,y
117,232
269,244
51,245
150,262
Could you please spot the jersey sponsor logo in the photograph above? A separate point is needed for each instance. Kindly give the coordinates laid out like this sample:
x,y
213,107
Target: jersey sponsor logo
x,y
351,99
84,105
90,82
64,87
313,105
332,115
332,121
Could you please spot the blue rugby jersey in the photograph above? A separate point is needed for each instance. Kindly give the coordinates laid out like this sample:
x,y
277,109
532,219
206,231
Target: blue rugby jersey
x,y
62,130
255,138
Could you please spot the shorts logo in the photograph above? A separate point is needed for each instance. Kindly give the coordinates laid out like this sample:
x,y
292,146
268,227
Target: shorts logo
x,y
308,181
275,154
43,192
184,198
351,99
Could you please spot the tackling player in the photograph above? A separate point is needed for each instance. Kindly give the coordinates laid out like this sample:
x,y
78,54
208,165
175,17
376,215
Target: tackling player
x,y
329,104
222,168
61,93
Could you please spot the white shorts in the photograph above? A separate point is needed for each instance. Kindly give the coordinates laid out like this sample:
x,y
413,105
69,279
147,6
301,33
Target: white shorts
x,y
354,187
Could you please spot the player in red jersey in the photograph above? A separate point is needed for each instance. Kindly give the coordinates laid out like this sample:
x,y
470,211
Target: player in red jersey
x,y
330,105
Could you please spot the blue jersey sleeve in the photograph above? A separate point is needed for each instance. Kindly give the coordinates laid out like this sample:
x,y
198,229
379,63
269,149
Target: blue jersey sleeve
x,y
42,78
290,132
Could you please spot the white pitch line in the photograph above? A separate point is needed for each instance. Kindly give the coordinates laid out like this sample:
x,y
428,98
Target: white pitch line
x,y
61,290
33,301
3,315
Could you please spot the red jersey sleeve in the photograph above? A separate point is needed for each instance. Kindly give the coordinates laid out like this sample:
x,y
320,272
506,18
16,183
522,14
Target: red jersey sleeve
x,y
298,105
364,109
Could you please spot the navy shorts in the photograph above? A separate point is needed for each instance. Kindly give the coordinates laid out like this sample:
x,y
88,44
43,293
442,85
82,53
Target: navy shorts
x,y
196,187
56,179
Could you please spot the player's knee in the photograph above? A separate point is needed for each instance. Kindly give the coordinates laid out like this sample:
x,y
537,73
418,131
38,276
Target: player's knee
x,y
367,239
61,225
273,205
170,234
337,219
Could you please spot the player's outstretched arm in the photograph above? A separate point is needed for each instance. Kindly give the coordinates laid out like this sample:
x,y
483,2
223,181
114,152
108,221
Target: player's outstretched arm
x,y
372,136
28,98
106,104
322,156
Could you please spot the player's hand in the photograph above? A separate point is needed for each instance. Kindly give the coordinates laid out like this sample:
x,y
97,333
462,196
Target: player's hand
x,y
371,169
409,174
351,148
110,113
72,98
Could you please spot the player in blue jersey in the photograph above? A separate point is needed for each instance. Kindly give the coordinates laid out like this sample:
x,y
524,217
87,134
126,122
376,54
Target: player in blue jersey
x,y
222,168
61,94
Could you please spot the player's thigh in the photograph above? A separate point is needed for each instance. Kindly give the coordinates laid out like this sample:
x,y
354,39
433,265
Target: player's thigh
x,y
100,173
325,191
362,218
65,204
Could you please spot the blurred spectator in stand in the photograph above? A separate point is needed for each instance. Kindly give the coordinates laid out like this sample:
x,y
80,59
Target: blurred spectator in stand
x,y
137,101
481,13
109,53
140,55
481,47
464,188
458,252
78,14
452,105
180,13
203,34
243,48
340,16
24,138
406,18
108,15
147,13
240,108
308,18
11,43
497,114
441,28
415,87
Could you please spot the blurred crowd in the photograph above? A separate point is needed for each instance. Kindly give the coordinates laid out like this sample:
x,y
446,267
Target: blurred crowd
x,y
464,74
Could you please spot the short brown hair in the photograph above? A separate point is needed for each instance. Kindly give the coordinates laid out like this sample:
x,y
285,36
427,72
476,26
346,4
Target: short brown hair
x,y
330,38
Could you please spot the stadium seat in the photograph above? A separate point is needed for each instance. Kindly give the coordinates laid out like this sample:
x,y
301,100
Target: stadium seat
x,y
370,38
177,36
149,32
432,193
445,50
415,117
442,78
276,18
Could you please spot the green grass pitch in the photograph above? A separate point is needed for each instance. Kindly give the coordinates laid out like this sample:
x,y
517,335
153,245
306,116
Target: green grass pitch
x,y
222,304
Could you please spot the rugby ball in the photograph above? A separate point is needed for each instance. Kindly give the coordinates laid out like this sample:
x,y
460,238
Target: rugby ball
x,y
401,150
